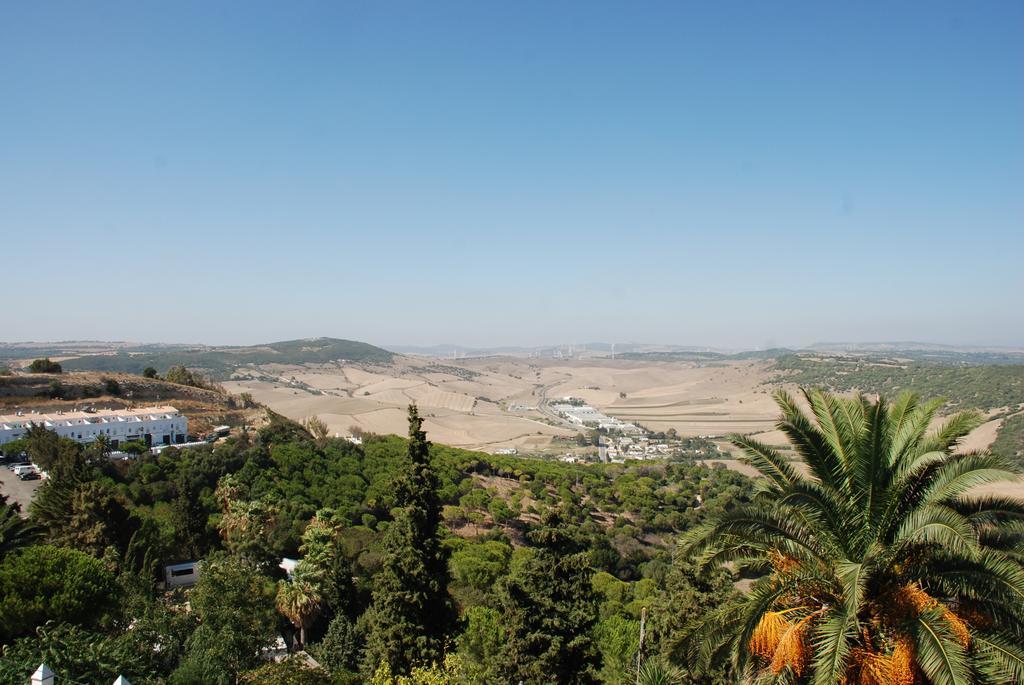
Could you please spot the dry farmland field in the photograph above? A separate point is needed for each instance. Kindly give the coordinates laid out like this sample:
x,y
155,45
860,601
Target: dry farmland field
x,y
490,403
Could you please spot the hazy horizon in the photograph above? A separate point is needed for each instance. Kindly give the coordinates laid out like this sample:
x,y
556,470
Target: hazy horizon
x,y
589,345
727,175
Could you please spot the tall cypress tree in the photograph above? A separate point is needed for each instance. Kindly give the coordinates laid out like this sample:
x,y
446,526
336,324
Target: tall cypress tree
x,y
411,611
189,518
549,608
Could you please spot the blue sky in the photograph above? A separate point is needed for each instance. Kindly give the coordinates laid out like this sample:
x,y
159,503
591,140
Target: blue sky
x,y
485,173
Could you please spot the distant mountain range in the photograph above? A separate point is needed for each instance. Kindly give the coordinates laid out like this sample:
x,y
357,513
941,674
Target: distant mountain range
x,y
216,361
633,350
220,361
910,347
456,351
453,351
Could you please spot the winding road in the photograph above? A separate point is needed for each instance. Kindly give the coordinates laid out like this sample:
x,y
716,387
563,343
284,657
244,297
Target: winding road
x,y
551,414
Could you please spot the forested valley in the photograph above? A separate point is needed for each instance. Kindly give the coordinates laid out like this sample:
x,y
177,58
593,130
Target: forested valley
x,y
416,563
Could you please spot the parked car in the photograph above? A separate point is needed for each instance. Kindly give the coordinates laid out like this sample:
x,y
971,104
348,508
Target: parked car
x,y
15,464
29,475
24,468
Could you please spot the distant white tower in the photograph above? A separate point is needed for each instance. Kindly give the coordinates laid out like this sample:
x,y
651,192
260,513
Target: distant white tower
x,y
613,350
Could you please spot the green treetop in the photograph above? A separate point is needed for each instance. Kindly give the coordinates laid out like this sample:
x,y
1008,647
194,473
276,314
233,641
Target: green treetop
x,y
549,608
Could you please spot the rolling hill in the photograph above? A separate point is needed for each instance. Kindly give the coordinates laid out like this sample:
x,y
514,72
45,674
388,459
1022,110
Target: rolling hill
x,y
219,362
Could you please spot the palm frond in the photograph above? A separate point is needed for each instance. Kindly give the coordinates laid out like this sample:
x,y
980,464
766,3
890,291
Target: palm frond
x,y
832,642
939,654
959,474
912,431
766,526
15,531
999,656
714,636
990,508
766,460
873,462
840,435
902,408
854,578
831,515
938,524
657,672
807,441
955,428
986,574
906,491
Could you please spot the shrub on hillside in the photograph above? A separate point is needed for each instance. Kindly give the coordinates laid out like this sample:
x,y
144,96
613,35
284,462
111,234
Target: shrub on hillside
x,y
183,376
44,366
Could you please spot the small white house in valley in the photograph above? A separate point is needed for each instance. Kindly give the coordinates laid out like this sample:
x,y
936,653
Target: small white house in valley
x,y
181,575
151,425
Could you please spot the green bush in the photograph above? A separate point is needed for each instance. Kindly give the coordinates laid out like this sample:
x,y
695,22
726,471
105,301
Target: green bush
x,y
44,583
44,366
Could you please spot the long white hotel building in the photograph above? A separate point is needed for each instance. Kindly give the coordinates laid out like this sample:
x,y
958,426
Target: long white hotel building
x,y
151,425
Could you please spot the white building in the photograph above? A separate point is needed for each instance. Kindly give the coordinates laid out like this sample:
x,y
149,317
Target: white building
x,y
181,575
151,425
585,415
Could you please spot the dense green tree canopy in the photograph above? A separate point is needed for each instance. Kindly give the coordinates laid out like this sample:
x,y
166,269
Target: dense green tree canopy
x,y
393,528
78,655
549,607
45,583
234,607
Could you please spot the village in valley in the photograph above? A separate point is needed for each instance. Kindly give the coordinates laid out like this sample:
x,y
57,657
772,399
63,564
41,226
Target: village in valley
x,y
618,441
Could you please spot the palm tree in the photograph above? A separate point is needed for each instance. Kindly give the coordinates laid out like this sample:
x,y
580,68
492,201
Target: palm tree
x,y
301,598
880,565
316,427
320,540
657,672
15,532
101,446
